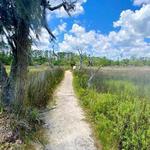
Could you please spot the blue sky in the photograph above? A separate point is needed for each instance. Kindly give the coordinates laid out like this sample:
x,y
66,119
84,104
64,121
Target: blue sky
x,y
98,15
110,28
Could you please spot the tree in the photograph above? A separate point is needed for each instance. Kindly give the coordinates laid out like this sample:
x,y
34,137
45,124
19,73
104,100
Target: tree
x,y
17,18
80,51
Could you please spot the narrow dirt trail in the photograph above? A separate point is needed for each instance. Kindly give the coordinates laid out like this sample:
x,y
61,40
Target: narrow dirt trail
x,y
67,128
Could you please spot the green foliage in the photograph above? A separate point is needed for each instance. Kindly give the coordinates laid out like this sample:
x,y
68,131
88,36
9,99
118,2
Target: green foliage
x,y
39,60
26,121
41,85
102,61
119,114
5,58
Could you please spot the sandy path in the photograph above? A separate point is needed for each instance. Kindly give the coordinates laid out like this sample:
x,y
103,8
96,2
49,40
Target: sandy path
x,y
67,128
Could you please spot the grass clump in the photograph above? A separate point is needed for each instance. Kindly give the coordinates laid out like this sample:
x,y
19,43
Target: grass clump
x,y
41,85
118,112
25,121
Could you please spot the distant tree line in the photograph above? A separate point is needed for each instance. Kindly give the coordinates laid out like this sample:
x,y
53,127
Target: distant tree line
x,y
39,57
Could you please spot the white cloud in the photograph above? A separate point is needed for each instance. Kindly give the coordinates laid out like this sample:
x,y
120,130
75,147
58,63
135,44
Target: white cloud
x,y
43,43
60,29
61,13
135,23
88,41
128,41
134,28
77,30
44,40
140,2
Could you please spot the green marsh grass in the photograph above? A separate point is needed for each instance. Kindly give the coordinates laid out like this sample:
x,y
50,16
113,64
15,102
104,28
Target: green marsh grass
x,y
118,105
41,84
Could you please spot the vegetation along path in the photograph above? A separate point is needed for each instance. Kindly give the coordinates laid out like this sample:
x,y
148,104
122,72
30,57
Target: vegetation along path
x,y
67,128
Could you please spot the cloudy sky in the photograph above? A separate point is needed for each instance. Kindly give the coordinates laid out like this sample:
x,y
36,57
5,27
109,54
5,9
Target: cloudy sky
x,y
111,28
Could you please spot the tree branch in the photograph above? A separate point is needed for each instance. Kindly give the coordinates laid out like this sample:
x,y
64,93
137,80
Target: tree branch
x,y
55,7
46,25
9,40
93,75
79,51
66,5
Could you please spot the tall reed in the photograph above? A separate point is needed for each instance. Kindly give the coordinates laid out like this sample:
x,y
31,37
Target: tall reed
x,y
41,85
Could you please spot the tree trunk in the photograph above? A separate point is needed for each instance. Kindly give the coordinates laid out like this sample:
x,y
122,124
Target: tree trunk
x,y
3,79
14,90
3,74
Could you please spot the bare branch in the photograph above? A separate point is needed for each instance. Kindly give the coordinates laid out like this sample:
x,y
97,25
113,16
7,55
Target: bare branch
x,y
9,40
55,7
46,25
54,51
66,5
79,51
93,75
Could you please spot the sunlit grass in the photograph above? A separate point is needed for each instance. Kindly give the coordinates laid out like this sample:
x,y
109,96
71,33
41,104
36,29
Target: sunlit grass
x,y
38,68
31,68
41,82
41,85
118,105
7,69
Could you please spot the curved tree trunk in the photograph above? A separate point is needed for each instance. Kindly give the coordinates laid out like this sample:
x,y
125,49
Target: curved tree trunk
x,y
14,89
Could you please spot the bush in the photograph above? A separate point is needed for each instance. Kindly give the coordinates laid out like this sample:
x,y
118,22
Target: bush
x,y
5,58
